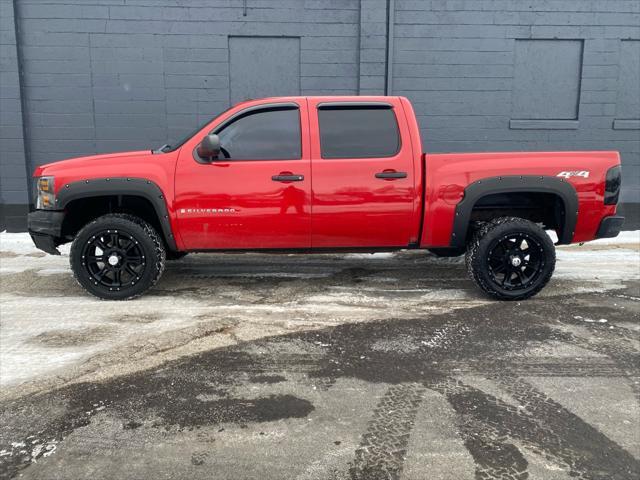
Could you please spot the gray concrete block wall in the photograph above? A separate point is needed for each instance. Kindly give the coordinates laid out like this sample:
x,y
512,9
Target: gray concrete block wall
x,y
104,76
457,61
108,75
13,172
373,47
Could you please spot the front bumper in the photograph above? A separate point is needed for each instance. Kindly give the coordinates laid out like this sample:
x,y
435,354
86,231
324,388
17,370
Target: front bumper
x,y
45,228
610,227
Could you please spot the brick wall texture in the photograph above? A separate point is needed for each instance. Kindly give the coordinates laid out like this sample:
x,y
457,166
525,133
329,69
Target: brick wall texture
x,y
89,76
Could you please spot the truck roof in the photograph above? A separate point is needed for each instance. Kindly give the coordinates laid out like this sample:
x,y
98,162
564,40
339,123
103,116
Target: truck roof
x,y
327,98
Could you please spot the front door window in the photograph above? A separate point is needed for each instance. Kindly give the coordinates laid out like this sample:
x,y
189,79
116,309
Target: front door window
x,y
271,134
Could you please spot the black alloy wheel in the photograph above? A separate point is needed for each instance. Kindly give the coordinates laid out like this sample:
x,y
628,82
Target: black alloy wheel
x,y
510,258
117,257
113,259
515,261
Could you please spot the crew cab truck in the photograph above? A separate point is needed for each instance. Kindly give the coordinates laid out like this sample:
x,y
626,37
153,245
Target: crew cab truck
x,y
318,174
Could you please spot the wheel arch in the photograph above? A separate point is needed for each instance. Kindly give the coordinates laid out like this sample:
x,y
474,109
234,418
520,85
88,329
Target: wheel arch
x,y
138,196
516,185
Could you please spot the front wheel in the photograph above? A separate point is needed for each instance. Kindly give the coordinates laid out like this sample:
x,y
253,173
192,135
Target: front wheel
x,y
511,258
117,257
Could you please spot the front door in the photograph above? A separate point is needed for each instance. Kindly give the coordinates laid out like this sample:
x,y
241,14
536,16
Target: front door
x,y
257,194
363,175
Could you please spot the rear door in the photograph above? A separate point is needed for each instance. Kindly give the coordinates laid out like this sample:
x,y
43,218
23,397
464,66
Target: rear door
x,y
363,183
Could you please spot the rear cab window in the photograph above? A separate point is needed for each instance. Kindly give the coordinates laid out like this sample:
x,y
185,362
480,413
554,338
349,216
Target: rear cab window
x,y
358,131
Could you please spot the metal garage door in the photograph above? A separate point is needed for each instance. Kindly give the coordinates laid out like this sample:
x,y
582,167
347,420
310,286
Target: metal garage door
x,y
263,67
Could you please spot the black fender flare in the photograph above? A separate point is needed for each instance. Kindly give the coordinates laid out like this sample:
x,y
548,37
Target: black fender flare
x,y
137,187
516,183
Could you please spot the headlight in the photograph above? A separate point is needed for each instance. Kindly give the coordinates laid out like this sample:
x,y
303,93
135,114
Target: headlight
x,y
45,198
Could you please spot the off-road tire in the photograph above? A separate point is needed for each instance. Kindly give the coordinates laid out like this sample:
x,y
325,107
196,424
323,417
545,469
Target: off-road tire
x,y
149,242
487,237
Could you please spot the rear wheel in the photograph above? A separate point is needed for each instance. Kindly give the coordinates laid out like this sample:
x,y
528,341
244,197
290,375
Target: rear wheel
x,y
511,258
117,257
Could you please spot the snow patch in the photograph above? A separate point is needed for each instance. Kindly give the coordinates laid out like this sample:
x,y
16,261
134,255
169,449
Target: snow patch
x,y
590,320
589,265
371,256
623,238
53,271
21,244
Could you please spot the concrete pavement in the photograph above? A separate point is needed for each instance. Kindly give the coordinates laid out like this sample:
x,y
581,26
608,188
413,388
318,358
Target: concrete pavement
x,y
328,367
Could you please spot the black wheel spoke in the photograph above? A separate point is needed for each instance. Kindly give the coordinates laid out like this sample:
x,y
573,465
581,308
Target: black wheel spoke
x,y
101,274
500,268
130,270
114,240
515,261
496,257
129,245
120,261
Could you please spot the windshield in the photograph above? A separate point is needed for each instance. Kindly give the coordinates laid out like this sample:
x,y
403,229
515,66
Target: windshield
x,y
170,147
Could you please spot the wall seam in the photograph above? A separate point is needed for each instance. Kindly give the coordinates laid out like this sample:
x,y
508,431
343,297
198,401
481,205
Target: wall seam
x,y
391,13
359,52
20,61
93,97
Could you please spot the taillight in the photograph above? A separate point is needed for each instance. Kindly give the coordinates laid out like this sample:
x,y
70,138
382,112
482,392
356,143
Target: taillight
x,y
612,185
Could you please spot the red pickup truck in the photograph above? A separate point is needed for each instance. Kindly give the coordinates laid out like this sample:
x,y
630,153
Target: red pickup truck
x,y
318,174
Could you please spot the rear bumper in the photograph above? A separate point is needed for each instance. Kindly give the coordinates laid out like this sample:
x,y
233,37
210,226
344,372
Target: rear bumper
x,y
610,227
45,227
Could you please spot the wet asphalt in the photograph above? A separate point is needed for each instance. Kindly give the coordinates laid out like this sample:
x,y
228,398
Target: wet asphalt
x,y
547,388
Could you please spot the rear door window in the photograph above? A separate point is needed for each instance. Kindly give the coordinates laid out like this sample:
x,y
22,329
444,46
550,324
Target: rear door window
x,y
348,131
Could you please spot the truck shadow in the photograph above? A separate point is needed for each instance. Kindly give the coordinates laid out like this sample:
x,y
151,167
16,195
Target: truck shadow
x,y
202,272
406,270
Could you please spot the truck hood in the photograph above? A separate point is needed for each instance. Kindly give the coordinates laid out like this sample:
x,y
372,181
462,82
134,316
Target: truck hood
x,y
62,165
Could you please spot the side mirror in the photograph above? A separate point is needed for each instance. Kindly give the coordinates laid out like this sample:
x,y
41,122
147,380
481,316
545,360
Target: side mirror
x,y
209,147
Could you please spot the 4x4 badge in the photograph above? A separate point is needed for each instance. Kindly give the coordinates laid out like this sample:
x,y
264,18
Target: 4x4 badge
x,y
574,173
